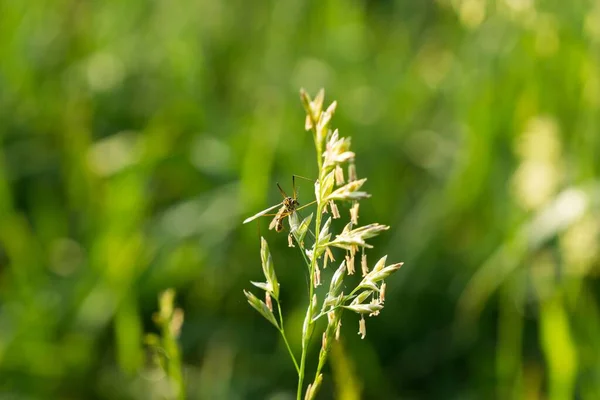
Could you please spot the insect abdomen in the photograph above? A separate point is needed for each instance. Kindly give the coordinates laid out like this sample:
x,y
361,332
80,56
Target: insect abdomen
x,y
279,225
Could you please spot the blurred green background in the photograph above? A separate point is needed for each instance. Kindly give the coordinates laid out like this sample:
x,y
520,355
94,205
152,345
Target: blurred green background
x,y
137,135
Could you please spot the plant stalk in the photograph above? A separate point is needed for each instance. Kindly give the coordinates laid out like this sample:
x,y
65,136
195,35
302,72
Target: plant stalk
x,y
313,262
282,331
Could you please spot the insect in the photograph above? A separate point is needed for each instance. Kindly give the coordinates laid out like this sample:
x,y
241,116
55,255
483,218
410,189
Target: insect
x,y
288,206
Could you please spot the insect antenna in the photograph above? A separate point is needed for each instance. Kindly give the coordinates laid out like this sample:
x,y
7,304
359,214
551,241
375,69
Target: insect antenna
x,y
281,190
294,186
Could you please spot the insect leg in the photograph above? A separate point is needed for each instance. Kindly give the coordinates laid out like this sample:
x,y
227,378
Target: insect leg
x,y
306,205
301,177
